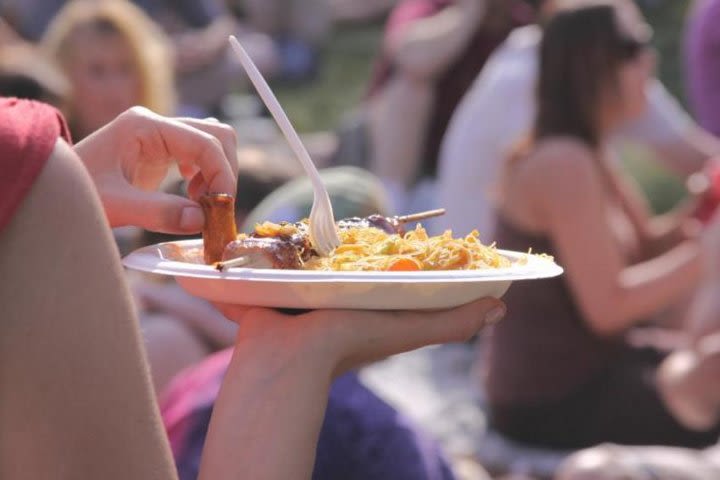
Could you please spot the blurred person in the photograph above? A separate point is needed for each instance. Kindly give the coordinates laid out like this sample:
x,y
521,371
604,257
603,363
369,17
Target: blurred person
x,y
702,63
298,29
115,57
198,31
352,11
76,399
499,109
361,437
25,73
566,370
431,52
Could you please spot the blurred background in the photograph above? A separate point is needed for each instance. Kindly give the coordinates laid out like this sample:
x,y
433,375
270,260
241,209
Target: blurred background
x,y
319,56
394,101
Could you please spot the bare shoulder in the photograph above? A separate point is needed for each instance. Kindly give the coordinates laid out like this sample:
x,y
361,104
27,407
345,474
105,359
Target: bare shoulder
x,y
63,165
63,194
559,162
560,173
561,154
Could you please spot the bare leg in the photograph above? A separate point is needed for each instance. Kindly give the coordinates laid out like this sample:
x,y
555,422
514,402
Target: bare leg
x,y
76,400
688,382
613,462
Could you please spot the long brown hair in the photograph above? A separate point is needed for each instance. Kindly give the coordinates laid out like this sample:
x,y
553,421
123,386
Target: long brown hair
x,y
581,52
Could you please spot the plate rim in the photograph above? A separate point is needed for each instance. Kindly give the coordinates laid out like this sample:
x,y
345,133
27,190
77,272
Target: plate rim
x,y
148,259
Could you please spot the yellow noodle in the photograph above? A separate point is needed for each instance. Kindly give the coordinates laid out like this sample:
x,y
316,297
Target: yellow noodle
x,y
371,249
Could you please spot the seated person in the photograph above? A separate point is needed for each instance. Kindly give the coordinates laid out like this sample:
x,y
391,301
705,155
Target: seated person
x,y
432,50
562,372
362,438
114,57
500,108
198,31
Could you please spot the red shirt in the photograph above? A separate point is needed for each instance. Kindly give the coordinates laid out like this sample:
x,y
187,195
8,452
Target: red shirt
x,y
28,132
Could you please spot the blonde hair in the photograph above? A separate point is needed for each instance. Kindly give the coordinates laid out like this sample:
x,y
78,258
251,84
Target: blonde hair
x,y
150,47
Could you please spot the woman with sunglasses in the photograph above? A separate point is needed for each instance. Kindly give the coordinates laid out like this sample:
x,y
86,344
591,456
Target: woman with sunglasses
x,y
563,370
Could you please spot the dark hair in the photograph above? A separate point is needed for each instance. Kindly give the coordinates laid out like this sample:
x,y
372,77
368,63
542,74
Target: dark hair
x,y
580,54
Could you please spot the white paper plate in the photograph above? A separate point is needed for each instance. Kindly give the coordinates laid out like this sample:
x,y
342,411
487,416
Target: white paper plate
x,y
350,290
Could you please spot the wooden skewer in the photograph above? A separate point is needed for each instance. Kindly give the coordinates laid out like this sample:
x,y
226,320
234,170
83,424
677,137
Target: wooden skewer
x,y
232,263
415,217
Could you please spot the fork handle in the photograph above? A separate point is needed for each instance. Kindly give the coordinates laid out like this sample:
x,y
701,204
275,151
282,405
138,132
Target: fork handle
x,y
276,110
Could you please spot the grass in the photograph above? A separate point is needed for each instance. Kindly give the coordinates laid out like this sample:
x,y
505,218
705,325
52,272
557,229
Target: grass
x,y
347,64
341,81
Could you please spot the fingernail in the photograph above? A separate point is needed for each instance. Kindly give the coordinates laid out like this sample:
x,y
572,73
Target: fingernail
x,y
192,218
495,315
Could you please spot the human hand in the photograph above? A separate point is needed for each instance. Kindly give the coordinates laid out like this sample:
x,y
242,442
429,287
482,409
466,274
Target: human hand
x,y
129,158
337,341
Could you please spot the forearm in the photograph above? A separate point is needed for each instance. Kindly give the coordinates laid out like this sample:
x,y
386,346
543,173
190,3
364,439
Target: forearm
x,y
427,47
267,417
689,152
650,286
667,231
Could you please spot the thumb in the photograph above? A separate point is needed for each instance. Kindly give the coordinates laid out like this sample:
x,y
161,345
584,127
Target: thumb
x,y
155,211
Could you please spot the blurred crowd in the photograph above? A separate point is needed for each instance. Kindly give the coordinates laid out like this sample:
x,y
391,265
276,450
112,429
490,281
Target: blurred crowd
x,y
511,114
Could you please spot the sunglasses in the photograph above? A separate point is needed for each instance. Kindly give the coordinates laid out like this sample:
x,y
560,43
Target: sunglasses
x,y
631,48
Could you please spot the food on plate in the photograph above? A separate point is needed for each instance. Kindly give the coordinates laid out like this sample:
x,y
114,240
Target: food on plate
x,y
372,249
373,243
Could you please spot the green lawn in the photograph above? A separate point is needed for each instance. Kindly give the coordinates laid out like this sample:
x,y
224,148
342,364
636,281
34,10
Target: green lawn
x,y
341,81
347,63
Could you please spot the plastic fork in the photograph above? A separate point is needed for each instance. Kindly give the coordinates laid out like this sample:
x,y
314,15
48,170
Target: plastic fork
x,y
323,234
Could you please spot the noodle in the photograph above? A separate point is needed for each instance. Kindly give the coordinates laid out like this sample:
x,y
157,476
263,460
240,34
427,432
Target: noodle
x,y
371,249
